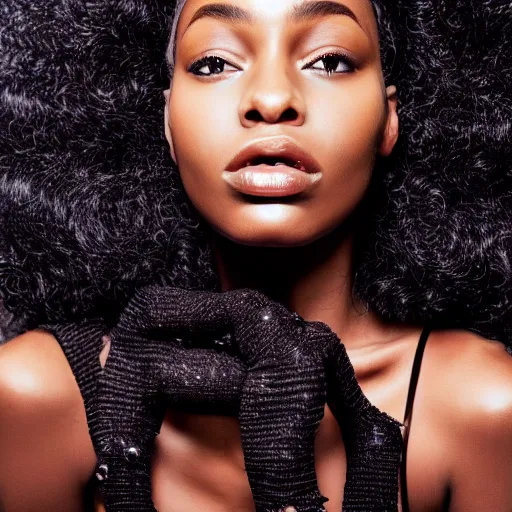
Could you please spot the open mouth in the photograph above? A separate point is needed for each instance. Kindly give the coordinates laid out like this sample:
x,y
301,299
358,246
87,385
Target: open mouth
x,y
272,167
276,161
271,177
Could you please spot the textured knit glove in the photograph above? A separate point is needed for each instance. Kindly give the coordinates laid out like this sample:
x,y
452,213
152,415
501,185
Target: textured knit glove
x,y
281,401
152,365
373,440
125,402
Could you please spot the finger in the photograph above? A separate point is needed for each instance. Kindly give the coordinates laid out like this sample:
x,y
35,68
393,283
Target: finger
x,y
167,373
124,427
81,342
201,381
133,394
178,311
280,413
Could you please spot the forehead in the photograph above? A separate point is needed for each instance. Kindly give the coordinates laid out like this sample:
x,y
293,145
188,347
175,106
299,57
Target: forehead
x,y
274,12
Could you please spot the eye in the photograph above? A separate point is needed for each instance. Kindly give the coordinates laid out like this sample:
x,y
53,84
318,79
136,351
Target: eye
x,y
208,66
332,63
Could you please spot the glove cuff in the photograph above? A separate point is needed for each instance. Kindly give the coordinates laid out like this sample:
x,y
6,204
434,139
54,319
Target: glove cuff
x,y
128,482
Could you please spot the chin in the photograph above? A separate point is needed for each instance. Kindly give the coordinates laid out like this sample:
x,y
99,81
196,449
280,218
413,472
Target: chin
x,y
269,225
265,239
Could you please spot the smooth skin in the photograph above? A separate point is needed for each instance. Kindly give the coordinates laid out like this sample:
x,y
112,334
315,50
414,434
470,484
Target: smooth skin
x,y
275,83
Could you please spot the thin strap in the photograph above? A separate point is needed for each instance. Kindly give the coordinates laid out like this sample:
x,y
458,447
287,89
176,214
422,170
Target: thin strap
x,y
415,374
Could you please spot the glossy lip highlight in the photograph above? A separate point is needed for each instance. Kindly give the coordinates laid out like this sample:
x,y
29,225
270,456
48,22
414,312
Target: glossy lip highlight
x,y
296,171
271,181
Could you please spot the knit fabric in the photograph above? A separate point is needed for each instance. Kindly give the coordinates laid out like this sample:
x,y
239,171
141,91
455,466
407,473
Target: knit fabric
x,y
235,353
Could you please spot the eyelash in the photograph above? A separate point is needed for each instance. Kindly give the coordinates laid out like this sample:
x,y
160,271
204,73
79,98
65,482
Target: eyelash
x,y
210,60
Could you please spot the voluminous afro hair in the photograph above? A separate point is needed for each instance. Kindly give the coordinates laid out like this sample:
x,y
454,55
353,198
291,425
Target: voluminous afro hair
x,y
440,247
92,206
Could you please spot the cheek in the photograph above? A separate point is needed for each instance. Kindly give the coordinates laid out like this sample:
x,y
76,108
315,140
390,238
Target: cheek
x,y
351,125
203,130
191,119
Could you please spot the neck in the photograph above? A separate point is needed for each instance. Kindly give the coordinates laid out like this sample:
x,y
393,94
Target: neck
x,y
315,280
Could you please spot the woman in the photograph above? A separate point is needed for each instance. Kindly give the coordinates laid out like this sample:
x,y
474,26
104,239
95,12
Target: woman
x,y
255,81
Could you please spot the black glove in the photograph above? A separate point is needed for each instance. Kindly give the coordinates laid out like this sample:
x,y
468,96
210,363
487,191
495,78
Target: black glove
x,y
125,403
373,440
150,367
282,396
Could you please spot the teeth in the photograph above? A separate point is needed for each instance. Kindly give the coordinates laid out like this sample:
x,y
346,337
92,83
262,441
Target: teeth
x,y
298,165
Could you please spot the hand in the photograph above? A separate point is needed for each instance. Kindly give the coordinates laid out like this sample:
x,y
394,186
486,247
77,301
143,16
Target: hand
x,y
124,410
282,395
149,367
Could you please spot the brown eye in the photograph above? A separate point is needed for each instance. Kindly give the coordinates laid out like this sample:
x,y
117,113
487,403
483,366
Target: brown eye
x,y
332,63
208,66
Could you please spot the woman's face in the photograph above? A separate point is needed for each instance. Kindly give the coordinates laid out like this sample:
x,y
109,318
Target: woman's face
x,y
278,82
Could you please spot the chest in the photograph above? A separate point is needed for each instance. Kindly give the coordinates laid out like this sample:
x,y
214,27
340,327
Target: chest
x,y
198,464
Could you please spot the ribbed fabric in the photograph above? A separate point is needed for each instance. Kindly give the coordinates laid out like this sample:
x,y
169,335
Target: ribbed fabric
x,y
236,352
82,344
373,440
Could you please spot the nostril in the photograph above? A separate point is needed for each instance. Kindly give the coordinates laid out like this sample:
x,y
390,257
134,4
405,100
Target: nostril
x,y
290,114
254,115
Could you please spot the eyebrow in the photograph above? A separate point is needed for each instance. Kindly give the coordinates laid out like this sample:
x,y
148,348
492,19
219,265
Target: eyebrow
x,y
302,12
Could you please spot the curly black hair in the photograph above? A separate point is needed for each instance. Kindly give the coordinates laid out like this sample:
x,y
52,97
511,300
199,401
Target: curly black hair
x,y
92,206
440,243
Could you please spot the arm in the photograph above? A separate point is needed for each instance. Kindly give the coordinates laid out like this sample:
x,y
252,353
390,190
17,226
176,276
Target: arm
x,y
482,479
46,453
481,475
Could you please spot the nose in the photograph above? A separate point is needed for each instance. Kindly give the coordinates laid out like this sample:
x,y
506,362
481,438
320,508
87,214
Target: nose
x,y
272,96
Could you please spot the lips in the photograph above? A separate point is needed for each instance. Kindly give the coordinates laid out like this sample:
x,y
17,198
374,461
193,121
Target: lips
x,y
272,167
281,149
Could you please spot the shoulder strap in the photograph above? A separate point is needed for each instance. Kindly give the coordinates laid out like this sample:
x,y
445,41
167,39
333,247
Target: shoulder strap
x,y
413,384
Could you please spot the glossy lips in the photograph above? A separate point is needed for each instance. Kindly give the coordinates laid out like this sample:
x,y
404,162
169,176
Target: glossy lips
x,y
272,167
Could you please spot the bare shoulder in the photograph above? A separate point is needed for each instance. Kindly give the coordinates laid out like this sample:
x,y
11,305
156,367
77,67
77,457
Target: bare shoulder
x,y
475,376
34,368
467,398
36,380
47,454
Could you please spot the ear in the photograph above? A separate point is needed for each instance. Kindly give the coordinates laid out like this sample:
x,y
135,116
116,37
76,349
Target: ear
x,y
167,122
391,129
